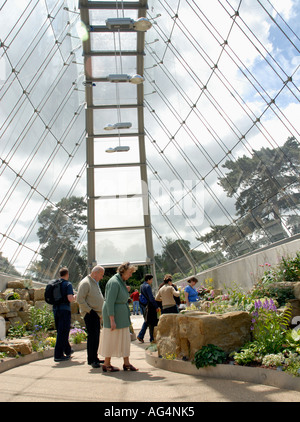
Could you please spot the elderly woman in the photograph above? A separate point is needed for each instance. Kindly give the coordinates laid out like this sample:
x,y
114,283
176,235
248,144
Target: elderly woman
x,y
115,337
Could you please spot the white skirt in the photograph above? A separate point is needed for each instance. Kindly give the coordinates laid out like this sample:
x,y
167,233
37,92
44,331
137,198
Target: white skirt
x,y
115,343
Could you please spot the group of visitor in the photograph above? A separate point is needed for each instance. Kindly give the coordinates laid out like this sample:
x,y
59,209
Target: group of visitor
x,y
166,301
114,310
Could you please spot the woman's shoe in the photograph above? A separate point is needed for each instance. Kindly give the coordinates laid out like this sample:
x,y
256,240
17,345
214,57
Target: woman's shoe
x,y
140,340
129,368
109,368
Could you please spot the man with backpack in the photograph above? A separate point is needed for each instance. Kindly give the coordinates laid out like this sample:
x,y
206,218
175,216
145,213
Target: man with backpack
x,y
62,317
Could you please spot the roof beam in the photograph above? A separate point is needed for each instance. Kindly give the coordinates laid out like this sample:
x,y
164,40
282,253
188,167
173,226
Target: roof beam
x,y
129,5
113,53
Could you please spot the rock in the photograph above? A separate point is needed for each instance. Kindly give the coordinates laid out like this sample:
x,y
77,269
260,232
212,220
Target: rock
x,y
16,312
18,284
39,294
23,293
16,305
21,346
24,316
11,352
39,304
297,290
15,320
3,308
31,294
295,304
185,334
2,328
7,293
11,315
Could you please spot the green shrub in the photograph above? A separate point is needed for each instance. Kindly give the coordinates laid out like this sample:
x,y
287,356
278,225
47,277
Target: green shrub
x,y
17,331
41,318
269,327
13,296
281,294
209,355
248,354
289,268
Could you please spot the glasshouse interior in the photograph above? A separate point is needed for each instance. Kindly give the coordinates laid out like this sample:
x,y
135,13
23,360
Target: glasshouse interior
x,y
164,134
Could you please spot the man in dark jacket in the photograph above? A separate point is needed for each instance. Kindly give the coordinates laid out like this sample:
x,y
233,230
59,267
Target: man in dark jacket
x,y
62,317
149,309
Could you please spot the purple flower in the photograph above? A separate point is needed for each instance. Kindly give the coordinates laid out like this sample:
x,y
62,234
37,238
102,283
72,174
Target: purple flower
x,y
257,304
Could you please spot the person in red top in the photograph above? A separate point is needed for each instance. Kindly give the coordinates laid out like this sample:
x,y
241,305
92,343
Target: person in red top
x,y
136,304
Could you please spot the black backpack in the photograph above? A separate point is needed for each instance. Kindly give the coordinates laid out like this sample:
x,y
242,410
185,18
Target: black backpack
x,y
53,294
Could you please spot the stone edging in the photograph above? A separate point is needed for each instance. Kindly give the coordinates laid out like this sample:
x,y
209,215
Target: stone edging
x,y
10,363
263,376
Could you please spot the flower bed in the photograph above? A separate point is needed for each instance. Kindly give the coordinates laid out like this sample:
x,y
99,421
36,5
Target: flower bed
x,y
253,374
275,339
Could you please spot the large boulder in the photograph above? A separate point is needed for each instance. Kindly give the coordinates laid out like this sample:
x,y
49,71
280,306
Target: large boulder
x,y
185,334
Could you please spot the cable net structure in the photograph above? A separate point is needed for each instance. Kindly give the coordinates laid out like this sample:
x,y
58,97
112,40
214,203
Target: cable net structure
x,y
220,102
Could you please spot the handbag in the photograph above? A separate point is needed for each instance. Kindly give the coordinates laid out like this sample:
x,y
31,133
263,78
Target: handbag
x,y
146,310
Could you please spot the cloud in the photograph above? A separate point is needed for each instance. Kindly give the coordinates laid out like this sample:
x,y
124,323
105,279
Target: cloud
x,y
208,96
196,141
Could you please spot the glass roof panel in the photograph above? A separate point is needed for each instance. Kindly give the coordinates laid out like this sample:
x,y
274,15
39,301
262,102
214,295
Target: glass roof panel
x,y
117,246
103,41
118,181
119,212
98,17
107,93
101,67
102,157
103,118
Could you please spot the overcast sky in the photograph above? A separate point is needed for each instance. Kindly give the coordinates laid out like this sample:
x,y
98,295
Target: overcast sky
x,y
194,128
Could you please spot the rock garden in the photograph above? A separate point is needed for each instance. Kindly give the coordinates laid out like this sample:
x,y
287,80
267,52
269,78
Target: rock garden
x,y
258,328
27,322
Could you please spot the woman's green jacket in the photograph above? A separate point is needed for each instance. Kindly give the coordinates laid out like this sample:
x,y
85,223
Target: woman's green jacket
x,y
116,303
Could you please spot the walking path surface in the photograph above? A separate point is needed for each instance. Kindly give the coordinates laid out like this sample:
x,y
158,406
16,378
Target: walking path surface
x,y
75,381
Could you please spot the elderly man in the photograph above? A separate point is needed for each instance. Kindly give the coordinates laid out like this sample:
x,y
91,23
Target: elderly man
x,y
90,300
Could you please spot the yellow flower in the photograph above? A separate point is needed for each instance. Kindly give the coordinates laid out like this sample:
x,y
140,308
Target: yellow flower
x,y
51,341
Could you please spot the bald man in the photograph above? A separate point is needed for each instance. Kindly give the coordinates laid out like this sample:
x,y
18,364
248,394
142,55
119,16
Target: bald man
x,y
90,300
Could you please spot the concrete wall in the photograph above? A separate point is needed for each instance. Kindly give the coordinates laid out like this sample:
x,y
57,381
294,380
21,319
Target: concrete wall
x,y
245,271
